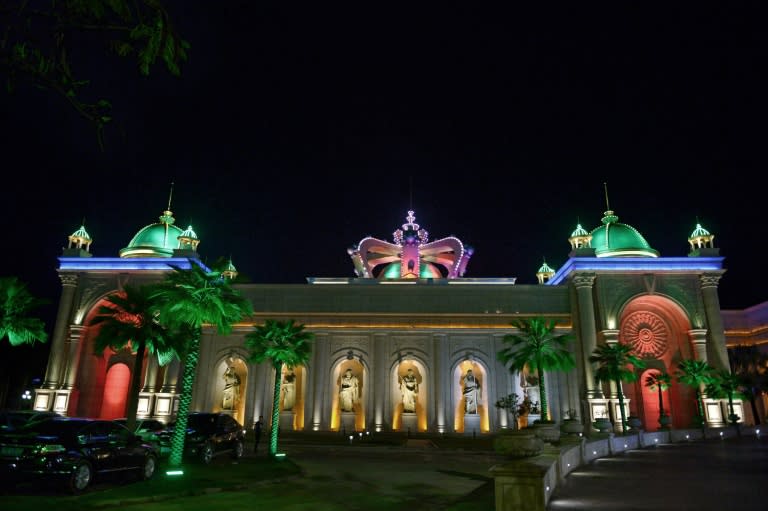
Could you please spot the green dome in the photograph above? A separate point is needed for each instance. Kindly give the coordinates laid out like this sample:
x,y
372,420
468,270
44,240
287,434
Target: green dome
x,y
579,231
81,233
699,231
545,268
155,240
614,239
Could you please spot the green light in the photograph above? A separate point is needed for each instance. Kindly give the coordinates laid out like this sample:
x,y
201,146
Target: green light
x,y
174,472
279,455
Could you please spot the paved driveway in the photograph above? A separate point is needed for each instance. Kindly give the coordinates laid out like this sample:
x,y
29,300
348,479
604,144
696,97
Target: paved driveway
x,y
713,475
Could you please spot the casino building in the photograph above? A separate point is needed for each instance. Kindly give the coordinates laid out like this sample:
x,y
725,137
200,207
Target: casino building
x,y
409,310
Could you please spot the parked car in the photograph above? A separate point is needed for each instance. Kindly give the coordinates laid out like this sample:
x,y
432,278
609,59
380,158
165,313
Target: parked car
x,y
208,435
148,430
14,419
75,451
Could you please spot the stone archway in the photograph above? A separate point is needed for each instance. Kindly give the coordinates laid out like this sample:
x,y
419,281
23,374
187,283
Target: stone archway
x,y
657,328
409,380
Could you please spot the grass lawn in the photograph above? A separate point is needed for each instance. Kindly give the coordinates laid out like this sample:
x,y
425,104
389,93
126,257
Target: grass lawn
x,y
222,475
259,482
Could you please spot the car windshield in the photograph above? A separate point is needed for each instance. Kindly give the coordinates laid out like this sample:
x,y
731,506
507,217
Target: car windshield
x,y
52,427
199,422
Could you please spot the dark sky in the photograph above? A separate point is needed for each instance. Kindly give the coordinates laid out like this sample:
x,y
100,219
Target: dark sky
x,y
294,132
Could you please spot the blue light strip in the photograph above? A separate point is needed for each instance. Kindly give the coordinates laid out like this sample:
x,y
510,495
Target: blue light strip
x,y
687,264
116,263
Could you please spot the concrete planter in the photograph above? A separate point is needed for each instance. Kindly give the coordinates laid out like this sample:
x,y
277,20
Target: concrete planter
x,y
548,432
572,427
522,443
603,425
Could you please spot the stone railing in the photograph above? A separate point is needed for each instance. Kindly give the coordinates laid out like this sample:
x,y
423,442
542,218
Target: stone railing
x,y
528,483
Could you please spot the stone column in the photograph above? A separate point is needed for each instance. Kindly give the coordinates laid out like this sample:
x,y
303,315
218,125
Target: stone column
x,y
171,377
76,333
150,378
717,351
698,338
611,337
440,372
587,330
320,417
380,388
56,358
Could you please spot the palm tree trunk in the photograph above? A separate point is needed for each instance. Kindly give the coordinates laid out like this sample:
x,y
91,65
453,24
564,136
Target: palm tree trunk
x,y
185,399
275,409
700,405
133,394
661,404
733,414
621,408
542,394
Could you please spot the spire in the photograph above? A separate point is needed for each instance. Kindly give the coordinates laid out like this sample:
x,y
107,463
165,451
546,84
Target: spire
x,y
609,217
170,196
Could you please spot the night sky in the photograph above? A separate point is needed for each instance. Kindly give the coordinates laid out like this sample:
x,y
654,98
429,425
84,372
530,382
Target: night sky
x,y
295,131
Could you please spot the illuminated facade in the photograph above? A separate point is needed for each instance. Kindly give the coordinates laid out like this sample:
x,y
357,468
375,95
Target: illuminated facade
x,y
411,312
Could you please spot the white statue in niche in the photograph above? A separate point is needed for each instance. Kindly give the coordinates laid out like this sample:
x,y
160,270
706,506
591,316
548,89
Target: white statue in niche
x,y
348,391
231,389
471,390
288,388
409,388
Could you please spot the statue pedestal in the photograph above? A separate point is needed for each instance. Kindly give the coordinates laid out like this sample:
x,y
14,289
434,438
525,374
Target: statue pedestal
x,y
286,421
348,422
409,423
472,424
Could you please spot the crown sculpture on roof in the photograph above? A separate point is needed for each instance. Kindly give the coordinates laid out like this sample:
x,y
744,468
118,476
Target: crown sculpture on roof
x,y
411,256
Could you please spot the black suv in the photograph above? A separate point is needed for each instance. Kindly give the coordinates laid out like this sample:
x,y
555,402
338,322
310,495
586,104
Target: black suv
x,y
208,435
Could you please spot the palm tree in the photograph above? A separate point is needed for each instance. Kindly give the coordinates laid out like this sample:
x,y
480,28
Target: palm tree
x,y
282,343
540,348
190,298
130,320
612,361
752,366
727,384
695,373
659,381
16,303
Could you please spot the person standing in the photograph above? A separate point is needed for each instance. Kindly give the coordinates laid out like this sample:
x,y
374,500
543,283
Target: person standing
x,y
257,433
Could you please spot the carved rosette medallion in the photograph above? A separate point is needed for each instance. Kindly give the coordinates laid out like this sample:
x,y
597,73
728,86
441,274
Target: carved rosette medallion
x,y
646,333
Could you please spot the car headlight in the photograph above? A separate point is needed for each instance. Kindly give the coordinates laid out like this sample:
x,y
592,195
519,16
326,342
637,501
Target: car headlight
x,y
50,449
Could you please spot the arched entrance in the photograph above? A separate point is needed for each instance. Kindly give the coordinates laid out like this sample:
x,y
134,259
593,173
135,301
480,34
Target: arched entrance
x,y
657,328
115,392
